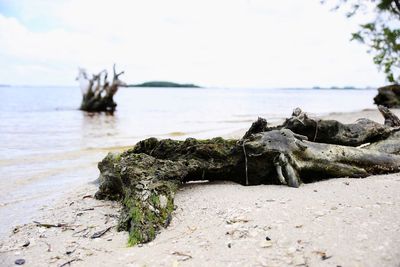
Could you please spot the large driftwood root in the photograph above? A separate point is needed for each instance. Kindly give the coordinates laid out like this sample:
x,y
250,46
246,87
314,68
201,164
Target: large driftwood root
x,y
98,95
146,177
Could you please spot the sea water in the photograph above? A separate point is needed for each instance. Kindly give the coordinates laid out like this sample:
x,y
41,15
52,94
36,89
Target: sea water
x,y
48,146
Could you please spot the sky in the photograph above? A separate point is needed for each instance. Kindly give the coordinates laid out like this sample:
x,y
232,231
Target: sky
x,y
221,43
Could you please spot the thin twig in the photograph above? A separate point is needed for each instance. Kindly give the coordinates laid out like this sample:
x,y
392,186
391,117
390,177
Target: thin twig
x,y
181,254
316,130
48,245
48,225
80,231
100,233
69,262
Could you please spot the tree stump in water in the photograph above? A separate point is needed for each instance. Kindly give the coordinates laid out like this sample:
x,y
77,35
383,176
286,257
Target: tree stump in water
x,y
97,92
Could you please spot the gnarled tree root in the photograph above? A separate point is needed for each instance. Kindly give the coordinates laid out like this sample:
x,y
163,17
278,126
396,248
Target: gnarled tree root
x,y
98,96
146,177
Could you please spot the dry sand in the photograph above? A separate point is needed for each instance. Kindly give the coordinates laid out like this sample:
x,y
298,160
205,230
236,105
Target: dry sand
x,y
338,222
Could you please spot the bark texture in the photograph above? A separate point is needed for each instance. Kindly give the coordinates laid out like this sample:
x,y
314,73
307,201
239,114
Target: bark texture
x,y
334,132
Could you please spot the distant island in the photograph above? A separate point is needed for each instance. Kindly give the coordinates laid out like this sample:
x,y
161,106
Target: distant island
x,y
339,88
163,84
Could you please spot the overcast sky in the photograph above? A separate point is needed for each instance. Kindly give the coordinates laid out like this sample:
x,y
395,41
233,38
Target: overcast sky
x,y
238,43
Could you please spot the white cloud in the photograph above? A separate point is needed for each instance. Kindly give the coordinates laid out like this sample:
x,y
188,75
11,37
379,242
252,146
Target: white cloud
x,y
224,43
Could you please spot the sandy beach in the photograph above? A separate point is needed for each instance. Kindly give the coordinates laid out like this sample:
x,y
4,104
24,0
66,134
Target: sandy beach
x,y
338,222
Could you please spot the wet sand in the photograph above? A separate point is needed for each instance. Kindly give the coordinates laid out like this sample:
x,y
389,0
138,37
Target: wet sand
x,y
338,222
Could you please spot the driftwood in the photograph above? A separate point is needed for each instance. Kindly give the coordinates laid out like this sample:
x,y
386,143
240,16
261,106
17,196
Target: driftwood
x,y
146,177
97,92
388,96
49,225
298,160
390,145
334,132
100,233
391,120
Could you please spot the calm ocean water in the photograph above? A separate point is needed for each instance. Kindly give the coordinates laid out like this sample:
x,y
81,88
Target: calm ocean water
x,y
47,145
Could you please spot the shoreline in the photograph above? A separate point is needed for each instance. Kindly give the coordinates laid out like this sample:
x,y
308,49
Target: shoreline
x,y
344,221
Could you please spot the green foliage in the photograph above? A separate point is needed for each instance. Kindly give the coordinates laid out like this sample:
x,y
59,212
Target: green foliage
x,y
381,35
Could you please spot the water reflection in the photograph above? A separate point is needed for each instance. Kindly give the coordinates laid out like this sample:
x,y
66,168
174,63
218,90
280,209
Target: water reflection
x,y
96,128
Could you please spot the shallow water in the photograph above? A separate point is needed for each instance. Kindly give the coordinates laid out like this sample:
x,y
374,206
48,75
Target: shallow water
x,y
47,146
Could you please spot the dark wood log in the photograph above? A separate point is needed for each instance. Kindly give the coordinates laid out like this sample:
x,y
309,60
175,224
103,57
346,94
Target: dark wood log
x,y
388,96
99,96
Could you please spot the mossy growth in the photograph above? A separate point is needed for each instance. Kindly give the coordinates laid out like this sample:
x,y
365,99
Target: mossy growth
x,y
146,211
146,177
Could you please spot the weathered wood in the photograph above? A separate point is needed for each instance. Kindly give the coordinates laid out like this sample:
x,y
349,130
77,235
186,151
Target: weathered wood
x,y
391,119
98,95
334,132
389,145
146,177
260,125
299,160
388,96
363,133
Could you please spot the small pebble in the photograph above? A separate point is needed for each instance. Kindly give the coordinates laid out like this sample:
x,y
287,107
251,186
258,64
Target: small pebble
x,y
20,262
267,238
325,257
